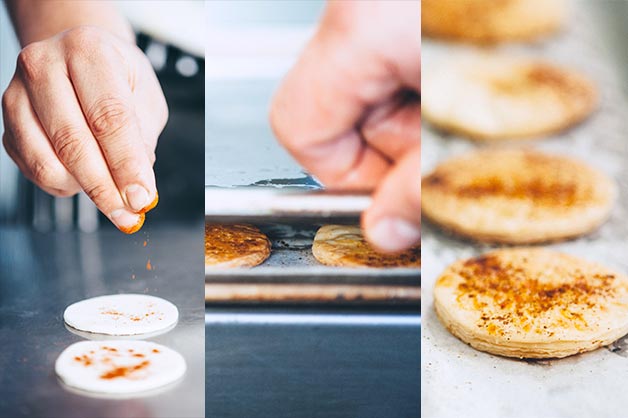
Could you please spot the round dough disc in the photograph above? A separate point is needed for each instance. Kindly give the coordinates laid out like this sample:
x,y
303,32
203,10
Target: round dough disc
x,y
496,97
119,367
235,246
532,303
125,314
344,245
490,21
516,196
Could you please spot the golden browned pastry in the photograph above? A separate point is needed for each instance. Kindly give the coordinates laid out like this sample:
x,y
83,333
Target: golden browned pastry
x,y
532,303
235,246
516,196
490,97
344,245
491,21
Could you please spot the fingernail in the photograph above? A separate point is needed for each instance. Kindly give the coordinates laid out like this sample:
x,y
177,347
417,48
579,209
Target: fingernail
x,y
151,205
394,234
137,197
126,221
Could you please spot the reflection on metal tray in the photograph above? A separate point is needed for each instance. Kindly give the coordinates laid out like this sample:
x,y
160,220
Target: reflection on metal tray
x,y
292,274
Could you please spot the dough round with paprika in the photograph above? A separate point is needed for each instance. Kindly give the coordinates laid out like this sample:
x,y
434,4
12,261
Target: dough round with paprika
x,y
517,196
119,367
532,303
122,315
235,245
492,97
491,21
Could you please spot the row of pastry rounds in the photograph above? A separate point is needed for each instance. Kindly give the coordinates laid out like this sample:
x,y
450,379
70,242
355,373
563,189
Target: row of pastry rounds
x,y
527,302
505,195
243,245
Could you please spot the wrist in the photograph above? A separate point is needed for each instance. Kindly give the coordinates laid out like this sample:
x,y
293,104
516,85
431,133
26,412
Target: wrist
x,y
36,20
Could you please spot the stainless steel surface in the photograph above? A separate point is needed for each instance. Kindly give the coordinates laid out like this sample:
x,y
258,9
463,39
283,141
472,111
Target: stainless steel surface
x,y
460,381
41,274
271,204
312,363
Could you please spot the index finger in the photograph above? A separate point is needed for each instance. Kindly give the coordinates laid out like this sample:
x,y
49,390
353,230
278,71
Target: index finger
x,y
103,86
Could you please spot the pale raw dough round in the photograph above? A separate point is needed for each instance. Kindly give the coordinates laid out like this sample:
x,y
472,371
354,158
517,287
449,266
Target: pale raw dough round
x,y
517,196
119,367
532,303
120,315
491,21
492,97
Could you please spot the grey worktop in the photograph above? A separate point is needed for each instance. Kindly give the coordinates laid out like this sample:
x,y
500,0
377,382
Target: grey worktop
x,y
41,274
312,362
460,381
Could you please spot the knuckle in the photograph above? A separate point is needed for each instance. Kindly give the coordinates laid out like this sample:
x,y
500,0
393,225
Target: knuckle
x,y
9,100
164,113
68,146
276,122
128,165
30,61
9,146
62,188
98,193
152,158
62,192
45,174
82,38
108,117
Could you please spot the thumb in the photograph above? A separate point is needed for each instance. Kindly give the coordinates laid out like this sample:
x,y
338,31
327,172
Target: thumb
x,y
393,222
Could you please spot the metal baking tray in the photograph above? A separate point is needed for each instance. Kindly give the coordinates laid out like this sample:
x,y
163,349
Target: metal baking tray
x,y
291,273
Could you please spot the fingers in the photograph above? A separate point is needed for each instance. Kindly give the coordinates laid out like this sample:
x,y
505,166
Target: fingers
x,y
393,222
27,144
52,96
394,128
345,70
317,108
106,99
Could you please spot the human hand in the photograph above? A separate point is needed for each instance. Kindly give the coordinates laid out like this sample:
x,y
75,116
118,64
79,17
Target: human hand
x,y
349,111
84,111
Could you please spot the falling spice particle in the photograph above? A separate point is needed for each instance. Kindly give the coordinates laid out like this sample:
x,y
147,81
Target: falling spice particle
x,y
132,276
144,243
148,265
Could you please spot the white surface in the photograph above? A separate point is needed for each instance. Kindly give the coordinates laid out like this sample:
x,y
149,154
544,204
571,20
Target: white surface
x,y
129,314
85,365
176,22
458,381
